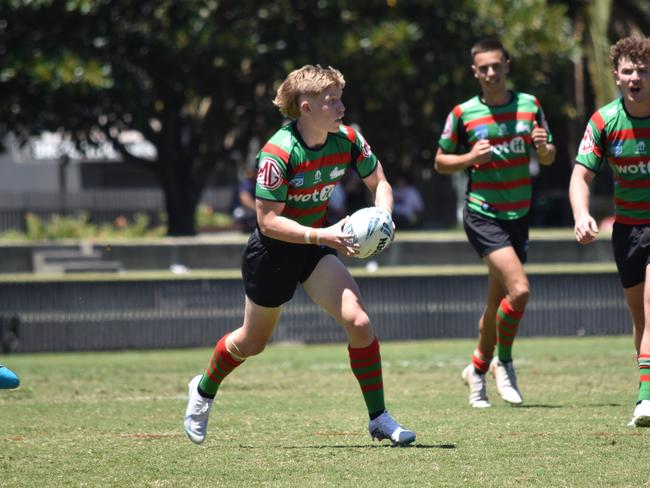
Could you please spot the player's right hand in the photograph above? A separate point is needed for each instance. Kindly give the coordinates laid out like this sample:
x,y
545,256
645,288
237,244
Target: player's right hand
x,y
481,152
585,229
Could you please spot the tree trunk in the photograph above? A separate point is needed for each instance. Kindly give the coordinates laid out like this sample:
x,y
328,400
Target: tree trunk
x,y
180,197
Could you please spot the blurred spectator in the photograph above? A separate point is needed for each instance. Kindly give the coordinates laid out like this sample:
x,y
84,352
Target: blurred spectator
x,y
349,196
356,193
337,209
408,206
242,207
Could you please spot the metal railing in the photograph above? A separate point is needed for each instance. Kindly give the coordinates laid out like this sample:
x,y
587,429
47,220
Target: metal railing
x,y
144,314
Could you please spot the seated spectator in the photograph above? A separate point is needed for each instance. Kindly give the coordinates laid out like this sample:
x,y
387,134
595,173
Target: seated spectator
x,y
408,205
243,204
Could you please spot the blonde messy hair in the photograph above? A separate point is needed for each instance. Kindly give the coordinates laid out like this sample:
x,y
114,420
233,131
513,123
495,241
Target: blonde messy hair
x,y
308,80
635,48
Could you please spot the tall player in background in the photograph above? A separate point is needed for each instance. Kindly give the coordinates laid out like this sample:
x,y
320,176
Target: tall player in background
x,y
490,136
619,132
297,171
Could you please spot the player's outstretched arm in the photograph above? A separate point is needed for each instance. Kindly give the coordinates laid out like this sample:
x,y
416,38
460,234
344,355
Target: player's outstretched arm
x,y
585,228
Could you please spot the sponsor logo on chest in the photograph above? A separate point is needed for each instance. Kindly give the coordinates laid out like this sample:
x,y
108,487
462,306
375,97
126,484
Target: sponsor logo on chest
x,y
317,196
517,145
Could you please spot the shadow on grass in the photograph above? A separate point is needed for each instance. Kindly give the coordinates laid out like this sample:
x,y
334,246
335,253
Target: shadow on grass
x,y
539,405
360,446
591,405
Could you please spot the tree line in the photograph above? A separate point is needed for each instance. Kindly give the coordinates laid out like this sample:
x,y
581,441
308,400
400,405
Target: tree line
x,y
196,77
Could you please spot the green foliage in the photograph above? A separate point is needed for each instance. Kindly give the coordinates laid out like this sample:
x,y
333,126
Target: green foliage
x,y
197,77
78,226
294,416
207,219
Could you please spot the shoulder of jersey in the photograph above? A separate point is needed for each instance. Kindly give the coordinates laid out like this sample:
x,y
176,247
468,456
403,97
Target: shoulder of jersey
x,y
346,132
284,139
611,110
461,107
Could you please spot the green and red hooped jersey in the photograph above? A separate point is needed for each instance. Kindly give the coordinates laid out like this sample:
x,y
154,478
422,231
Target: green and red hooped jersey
x,y
500,188
624,141
288,171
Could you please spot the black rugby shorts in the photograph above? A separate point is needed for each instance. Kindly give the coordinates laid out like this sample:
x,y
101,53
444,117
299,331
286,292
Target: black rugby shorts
x,y
631,251
272,269
486,234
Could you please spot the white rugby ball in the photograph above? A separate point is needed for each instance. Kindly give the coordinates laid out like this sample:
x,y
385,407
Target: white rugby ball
x,y
372,228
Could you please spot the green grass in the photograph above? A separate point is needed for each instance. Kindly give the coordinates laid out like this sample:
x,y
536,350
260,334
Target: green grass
x,y
294,417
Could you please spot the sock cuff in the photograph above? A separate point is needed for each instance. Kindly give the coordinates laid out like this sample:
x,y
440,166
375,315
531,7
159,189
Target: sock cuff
x,y
509,311
224,354
481,355
367,352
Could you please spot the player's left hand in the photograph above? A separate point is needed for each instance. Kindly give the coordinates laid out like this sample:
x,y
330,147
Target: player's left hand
x,y
539,136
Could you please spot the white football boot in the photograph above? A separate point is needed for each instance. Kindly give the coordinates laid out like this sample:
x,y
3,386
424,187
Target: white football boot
x,y
477,387
506,379
641,415
197,412
384,427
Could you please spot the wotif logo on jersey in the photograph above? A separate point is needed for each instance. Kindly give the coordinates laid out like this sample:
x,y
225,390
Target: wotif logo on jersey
x,y
643,167
515,146
321,195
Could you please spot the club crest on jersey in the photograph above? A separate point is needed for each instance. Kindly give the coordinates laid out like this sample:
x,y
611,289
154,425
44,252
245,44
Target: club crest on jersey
x,y
640,148
336,173
318,176
297,181
522,128
269,175
587,144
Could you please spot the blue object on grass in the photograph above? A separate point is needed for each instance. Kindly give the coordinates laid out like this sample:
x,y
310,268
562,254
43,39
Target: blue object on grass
x,y
8,378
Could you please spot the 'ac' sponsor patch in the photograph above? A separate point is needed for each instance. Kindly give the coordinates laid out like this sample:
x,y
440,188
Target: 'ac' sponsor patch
x,y
269,175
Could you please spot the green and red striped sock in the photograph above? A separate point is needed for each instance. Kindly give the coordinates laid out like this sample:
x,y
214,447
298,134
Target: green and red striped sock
x,y
507,324
481,361
366,366
644,377
221,364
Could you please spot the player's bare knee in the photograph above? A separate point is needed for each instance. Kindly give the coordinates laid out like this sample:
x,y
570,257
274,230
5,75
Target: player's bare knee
x,y
518,296
359,326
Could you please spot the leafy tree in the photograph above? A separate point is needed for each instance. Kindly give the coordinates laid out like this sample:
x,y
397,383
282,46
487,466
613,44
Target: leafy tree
x,y
196,77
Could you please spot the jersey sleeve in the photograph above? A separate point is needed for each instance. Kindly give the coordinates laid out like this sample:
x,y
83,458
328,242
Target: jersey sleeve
x,y
272,182
363,158
450,137
591,150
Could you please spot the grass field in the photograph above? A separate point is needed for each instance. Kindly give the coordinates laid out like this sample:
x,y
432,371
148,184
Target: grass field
x,y
294,416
